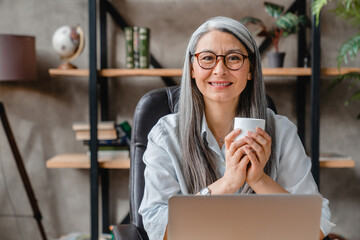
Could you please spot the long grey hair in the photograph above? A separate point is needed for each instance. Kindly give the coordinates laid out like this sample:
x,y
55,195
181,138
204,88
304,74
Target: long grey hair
x,y
198,160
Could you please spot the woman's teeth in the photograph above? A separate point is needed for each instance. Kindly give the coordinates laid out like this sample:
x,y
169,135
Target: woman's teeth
x,y
220,84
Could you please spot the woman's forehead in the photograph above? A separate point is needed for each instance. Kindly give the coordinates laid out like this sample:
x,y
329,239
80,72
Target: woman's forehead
x,y
216,40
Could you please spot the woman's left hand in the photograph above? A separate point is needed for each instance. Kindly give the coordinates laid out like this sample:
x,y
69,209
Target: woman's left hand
x,y
258,151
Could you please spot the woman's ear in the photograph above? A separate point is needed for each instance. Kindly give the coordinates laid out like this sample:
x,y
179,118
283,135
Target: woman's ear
x,y
249,76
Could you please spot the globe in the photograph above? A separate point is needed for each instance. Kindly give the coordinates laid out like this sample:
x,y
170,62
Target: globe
x,y
68,42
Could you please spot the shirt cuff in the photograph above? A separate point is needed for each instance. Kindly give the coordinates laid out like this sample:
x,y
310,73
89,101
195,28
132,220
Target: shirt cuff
x,y
326,226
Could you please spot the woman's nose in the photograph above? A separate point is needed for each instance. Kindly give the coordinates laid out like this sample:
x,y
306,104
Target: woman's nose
x,y
220,66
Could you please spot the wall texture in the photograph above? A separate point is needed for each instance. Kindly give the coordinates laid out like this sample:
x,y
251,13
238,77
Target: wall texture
x,y
41,112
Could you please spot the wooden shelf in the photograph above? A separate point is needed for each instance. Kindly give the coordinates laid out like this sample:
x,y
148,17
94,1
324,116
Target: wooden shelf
x,y
81,160
115,72
336,161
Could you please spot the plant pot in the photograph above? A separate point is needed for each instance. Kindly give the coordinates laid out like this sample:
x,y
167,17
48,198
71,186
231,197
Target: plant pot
x,y
276,59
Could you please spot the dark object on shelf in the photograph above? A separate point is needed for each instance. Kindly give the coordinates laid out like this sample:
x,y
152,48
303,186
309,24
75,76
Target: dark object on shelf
x,y
151,107
276,59
21,168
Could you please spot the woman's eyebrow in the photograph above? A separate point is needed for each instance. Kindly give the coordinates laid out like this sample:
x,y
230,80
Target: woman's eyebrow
x,y
235,50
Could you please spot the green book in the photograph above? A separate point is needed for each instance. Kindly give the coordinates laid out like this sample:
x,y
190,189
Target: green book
x,y
136,46
129,47
144,37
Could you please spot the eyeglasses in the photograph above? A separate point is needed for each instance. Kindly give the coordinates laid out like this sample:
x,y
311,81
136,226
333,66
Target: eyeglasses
x,y
208,60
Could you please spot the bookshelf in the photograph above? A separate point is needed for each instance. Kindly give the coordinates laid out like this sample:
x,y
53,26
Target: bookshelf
x,y
82,160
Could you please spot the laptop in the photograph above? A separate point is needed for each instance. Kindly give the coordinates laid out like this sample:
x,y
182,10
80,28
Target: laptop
x,y
249,217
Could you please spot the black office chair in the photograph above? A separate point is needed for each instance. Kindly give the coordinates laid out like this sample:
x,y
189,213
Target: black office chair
x,y
151,107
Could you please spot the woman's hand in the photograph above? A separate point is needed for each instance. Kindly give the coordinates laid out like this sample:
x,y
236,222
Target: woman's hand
x,y
258,150
235,172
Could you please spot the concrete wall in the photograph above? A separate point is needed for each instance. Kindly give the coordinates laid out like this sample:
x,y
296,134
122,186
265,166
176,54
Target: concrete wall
x,y
41,112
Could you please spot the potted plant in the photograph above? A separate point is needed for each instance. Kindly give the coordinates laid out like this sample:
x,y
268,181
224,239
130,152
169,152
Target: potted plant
x,y
285,23
348,10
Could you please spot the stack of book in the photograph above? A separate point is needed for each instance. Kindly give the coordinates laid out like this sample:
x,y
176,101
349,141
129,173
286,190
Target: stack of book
x,y
137,47
113,139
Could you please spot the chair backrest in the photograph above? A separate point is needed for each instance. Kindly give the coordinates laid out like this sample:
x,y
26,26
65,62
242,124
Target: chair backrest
x,y
151,107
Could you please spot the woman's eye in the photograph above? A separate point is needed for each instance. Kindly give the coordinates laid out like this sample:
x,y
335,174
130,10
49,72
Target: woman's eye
x,y
234,57
208,58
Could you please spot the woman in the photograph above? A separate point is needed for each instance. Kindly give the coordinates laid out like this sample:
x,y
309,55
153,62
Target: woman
x,y
195,152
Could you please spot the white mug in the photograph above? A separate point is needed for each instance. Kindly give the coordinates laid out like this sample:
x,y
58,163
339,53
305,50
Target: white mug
x,y
247,124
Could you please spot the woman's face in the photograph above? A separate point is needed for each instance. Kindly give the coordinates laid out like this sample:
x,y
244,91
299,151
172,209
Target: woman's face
x,y
220,84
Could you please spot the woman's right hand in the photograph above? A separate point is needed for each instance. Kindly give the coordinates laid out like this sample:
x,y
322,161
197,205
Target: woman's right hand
x,y
236,164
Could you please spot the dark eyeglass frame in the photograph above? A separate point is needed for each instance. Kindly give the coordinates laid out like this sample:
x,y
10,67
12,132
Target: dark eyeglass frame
x,y
217,59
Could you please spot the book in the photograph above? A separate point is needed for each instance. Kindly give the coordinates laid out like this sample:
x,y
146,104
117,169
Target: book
x,y
113,142
123,131
129,39
136,46
103,134
79,126
144,56
126,128
112,154
107,147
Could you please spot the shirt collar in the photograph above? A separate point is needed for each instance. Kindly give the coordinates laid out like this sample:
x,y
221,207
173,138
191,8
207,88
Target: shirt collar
x,y
206,134
204,129
209,138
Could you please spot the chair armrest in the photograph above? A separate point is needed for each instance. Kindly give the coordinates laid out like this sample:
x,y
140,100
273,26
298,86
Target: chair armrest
x,y
126,231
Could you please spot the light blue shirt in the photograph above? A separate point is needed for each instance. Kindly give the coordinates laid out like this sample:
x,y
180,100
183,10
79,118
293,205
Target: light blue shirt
x,y
164,178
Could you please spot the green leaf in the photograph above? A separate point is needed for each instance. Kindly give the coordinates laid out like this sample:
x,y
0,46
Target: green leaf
x,y
349,49
355,96
335,82
273,9
316,7
348,10
289,23
353,77
252,20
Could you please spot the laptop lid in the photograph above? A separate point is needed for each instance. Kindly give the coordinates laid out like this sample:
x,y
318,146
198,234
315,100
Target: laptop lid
x,y
280,217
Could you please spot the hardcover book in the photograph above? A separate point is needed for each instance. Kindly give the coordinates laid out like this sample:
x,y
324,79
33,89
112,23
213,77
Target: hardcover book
x,y
136,47
129,39
144,36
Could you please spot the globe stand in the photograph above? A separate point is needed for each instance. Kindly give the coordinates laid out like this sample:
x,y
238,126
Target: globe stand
x,y
66,65
69,56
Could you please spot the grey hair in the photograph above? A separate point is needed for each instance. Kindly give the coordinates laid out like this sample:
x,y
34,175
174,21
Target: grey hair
x,y
198,160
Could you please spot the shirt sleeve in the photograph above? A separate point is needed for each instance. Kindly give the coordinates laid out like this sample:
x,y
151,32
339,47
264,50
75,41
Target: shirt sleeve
x,y
294,168
160,184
